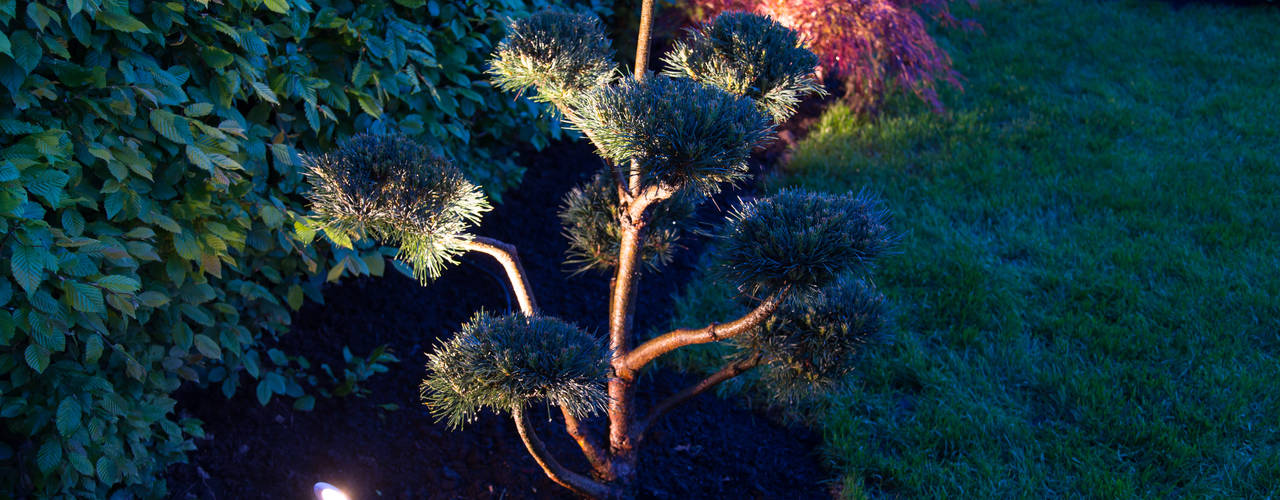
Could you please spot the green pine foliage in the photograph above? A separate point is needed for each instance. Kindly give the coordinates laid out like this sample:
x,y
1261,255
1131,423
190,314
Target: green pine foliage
x,y
816,339
748,55
589,214
149,191
509,361
561,54
802,239
397,191
673,146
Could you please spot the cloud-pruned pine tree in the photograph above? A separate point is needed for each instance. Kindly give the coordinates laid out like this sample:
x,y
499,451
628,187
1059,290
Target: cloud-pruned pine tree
x,y
667,141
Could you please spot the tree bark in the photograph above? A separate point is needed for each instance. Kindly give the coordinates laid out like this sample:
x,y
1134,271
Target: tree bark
x,y
506,255
656,347
643,42
580,484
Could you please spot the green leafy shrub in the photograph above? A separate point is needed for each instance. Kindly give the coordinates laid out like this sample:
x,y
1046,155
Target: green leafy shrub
x,y
149,183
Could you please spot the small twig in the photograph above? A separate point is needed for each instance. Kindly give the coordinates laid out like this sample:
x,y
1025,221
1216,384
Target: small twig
x,y
729,371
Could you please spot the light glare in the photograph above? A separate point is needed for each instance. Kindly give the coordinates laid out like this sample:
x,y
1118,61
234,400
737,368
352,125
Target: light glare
x,y
326,491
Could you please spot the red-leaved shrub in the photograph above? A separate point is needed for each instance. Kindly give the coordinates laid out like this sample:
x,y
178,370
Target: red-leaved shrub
x,y
867,44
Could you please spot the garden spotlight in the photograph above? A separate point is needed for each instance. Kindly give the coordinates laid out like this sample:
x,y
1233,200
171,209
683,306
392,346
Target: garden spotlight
x,y
326,491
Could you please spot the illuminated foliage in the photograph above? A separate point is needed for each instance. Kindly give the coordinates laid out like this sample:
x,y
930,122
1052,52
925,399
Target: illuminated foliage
x,y
749,55
589,214
802,239
501,362
815,339
399,192
680,133
871,45
558,53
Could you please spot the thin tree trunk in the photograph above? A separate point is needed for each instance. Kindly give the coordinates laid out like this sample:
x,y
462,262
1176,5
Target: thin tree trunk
x,y
622,454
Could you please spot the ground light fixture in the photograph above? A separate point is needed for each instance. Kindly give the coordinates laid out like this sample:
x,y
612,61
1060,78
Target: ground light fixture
x,y
326,491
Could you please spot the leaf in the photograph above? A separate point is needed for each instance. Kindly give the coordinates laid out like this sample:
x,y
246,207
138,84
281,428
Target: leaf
x,y
108,472
37,357
275,381
93,349
369,105
72,222
265,92
5,46
27,266
361,73
26,51
121,21
49,185
153,299
117,283
80,461
49,456
217,58
8,172
294,297
198,109
336,271
277,356
185,244
68,417
172,127
264,392
279,6
207,346
84,297
305,403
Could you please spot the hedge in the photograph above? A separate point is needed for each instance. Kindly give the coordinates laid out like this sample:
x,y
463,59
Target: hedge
x,y
150,208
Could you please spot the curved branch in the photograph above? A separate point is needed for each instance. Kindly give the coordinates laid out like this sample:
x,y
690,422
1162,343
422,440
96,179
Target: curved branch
x,y
727,372
506,255
580,484
656,347
590,447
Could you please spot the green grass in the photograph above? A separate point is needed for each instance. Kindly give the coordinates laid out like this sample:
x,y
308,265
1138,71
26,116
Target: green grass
x,y
1088,291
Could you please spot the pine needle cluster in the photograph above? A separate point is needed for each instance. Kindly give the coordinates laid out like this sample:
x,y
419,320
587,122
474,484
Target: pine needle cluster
x,y
749,55
589,214
558,53
801,239
501,362
681,133
816,339
394,190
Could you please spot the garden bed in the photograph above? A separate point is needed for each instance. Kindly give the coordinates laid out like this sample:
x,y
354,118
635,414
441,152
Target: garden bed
x,y
710,449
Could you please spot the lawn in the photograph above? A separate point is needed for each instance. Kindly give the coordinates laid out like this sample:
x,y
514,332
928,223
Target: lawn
x,y
1087,292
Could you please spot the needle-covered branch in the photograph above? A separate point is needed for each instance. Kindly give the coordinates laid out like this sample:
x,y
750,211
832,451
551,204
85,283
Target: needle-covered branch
x,y
714,332
580,484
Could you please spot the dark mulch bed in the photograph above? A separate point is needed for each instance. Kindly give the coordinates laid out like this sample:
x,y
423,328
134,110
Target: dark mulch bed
x,y
710,449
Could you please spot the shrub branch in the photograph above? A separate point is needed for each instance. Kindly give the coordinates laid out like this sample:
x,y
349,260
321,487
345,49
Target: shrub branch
x,y
675,339
507,256
729,371
580,484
